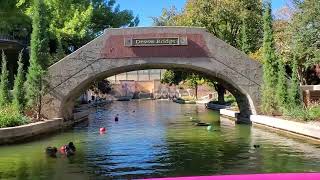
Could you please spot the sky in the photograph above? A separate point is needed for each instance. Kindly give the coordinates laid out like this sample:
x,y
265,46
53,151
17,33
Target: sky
x,y
146,9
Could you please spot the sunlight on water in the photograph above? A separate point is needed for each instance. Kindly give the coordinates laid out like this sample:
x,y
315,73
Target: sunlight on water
x,y
158,139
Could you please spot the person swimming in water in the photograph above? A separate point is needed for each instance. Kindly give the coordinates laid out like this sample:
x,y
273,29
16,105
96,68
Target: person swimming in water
x,y
69,149
51,151
116,118
72,147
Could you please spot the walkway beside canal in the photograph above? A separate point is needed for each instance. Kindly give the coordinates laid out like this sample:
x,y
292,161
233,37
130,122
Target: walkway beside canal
x,y
309,129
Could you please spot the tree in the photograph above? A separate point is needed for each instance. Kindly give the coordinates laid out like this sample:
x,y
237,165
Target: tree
x,y
224,19
38,58
245,46
107,14
269,65
252,23
166,18
174,76
101,87
281,91
293,91
193,81
305,42
168,77
13,21
4,89
18,89
75,23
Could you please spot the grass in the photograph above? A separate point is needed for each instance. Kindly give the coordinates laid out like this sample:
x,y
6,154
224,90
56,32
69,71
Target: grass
x,y
10,117
187,98
310,113
229,100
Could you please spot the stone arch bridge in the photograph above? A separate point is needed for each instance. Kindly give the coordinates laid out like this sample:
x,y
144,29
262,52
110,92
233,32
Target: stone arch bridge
x,y
127,49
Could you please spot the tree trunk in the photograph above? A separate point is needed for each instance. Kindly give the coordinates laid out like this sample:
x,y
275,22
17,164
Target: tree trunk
x,y
40,102
39,109
196,90
221,90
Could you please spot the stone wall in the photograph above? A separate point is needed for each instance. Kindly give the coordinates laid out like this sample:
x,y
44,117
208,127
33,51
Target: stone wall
x,y
21,133
311,94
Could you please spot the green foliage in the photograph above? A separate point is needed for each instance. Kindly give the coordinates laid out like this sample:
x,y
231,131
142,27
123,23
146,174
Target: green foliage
x,y
38,58
4,82
293,91
34,86
101,87
39,36
166,18
193,81
60,54
13,21
10,117
107,14
314,112
281,91
168,77
305,44
306,114
245,46
229,100
252,19
269,65
224,19
18,90
174,77
75,23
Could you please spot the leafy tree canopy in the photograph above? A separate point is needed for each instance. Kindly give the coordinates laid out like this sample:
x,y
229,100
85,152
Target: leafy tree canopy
x,y
74,23
305,43
13,20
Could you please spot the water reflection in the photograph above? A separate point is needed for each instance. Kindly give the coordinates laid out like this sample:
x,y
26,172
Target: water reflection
x,y
158,139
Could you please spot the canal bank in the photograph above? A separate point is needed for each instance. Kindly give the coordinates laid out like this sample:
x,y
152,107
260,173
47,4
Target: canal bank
x,y
158,139
307,129
27,132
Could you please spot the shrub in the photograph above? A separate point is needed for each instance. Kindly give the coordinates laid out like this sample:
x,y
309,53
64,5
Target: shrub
x,y
4,82
297,112
301,113
18,89
10,117
314,112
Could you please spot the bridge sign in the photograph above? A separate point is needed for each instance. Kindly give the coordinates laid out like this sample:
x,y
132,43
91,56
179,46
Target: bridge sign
x,y
172,41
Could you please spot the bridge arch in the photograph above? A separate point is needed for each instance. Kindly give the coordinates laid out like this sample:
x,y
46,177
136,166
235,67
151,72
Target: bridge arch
x,y
110,54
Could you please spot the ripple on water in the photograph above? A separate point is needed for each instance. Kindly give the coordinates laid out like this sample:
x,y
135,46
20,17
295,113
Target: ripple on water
x,y
159,140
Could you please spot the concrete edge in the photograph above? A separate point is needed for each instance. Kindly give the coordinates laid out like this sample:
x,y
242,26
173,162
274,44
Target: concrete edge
x,y
278,124
310,87
229,113
290,126
11,135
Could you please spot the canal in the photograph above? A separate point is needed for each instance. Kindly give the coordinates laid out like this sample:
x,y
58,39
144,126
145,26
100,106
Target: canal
x,y
158,139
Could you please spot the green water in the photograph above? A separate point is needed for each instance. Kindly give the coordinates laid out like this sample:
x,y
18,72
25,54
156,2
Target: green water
x,y
158,139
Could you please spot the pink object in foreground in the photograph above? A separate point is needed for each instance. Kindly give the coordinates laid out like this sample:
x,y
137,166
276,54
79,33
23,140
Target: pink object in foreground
x,y
102,129
284,176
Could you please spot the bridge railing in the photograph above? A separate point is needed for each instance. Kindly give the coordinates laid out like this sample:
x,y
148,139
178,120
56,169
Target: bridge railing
x,y
11,38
